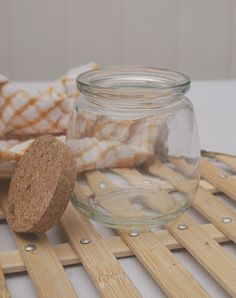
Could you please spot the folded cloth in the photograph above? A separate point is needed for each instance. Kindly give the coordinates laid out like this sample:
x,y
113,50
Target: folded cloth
x,y
23,114
102,143
98,141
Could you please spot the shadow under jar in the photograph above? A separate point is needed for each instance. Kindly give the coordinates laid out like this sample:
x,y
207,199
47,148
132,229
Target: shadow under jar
x,y
136,144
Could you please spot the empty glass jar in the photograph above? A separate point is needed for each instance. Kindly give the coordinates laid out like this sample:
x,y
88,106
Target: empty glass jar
x,y
135,139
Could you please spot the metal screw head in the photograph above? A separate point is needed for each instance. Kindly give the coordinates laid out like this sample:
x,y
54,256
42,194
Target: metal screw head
x,y
182,227
147,181
226,219
85,241
223,175
133,233
30,247
103,185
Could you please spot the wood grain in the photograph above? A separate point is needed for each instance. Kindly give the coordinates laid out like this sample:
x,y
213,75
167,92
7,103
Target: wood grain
x,y
212,174
4,293
97,259
155,257
204,248
212,209
47,264
12,262
207,252
206,203
45,260
162,265
230,161
165,202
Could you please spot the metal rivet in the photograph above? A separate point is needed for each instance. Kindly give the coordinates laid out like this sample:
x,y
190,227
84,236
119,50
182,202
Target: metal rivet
x,y
226,219
182,227
103,185
223,175
147,181
30,247
133,233
85,241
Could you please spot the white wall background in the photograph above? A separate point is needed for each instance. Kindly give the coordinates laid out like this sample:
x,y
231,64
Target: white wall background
x,y
40,39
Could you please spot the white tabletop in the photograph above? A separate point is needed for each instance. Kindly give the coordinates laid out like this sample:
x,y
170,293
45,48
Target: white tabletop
x,y
215,105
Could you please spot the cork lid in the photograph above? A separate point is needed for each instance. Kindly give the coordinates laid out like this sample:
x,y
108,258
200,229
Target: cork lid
x,y
41,186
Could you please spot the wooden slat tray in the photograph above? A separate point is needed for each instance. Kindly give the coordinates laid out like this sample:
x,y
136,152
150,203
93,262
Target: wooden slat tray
x,y
44,261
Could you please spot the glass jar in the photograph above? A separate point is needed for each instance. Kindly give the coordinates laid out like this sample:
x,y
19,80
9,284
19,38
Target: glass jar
x,y
135,139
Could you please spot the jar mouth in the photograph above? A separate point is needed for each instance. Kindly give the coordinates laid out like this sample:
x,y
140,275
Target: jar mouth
x,y
133,82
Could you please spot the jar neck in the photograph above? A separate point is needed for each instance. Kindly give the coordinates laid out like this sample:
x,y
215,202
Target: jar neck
x,y
133,87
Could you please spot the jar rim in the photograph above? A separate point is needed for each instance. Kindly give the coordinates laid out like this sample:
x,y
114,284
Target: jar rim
x,y
128,78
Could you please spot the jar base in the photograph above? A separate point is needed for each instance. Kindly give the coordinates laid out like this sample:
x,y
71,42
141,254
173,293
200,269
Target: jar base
x,y
131,208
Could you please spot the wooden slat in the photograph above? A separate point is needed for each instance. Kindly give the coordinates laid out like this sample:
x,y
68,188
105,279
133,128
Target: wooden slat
x,y
204,248
99,262
162,265
165,203
123,209
156,244
211,208
230,161
46,262
12,262
168,187
175,179
155,257
4,293
207,252
205,202
212,174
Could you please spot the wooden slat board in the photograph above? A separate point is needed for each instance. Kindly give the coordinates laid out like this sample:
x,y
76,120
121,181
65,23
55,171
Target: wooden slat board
x,y
102,266
45,260
214,256
218,178
12,261
44,265
163,266
221,265
205,202
4,293
156,258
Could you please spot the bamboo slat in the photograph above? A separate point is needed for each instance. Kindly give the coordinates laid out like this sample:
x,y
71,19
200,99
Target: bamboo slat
x,y
219,178
12,262
47,264
228,160
163,266
45,260
215,211
206,251
99,262
155,257
44,264
206,203
4,293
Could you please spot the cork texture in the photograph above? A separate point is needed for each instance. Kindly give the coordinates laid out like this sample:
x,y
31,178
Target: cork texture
x,y
41,186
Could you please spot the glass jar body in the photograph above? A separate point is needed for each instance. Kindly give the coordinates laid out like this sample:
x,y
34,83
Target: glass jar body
x,y
138,165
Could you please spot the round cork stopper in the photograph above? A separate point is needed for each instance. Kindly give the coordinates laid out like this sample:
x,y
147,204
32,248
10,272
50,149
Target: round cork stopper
x,y
41,186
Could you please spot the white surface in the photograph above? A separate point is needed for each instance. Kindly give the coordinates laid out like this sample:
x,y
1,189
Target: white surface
x,y
41,39
215,104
